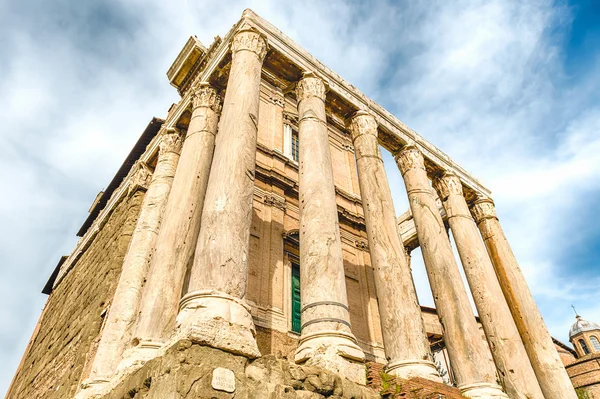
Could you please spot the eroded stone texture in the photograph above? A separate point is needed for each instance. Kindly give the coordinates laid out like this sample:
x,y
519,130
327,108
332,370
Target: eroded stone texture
x,y
124,308
505,343
185,371
220,271
68,332
474,371
181,223
406,346
326,339
552,377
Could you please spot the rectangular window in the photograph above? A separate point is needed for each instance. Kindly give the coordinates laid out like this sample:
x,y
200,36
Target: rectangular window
x,y
295,146
296,298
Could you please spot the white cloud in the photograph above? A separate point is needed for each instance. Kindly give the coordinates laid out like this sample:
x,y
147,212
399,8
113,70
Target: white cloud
x,y
483,81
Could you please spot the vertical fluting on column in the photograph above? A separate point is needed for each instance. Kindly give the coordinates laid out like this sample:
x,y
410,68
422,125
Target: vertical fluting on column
x,y
404,338
126,301
326,337
474,370
544,358
214,310
179,230
509,354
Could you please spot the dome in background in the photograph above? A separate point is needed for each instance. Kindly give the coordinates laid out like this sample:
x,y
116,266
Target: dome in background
x,y
581,326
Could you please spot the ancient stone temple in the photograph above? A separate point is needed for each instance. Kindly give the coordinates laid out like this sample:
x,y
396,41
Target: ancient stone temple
x,y
249,247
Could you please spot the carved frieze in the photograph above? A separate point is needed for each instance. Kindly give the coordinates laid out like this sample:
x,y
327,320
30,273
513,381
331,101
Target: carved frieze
x,y
141,177
311,86
348,147
483,208
249,40
276,97
410,157
274,201
447,184
204,95
170,141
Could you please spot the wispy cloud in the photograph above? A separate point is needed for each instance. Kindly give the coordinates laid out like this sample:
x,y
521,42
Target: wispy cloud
x,y
484,81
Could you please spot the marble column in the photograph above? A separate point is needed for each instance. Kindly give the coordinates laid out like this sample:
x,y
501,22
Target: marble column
x,y
544,358
126,301
509,354
404,338
326,339
472,366
181,222
214,311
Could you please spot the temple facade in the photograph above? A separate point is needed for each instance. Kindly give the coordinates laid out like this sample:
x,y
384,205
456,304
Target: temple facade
x,y
256,219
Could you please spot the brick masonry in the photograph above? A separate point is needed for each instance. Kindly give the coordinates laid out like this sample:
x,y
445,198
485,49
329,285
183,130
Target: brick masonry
x,y
73,317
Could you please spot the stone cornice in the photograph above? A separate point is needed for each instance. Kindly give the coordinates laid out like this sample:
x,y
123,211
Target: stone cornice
x,y
393,127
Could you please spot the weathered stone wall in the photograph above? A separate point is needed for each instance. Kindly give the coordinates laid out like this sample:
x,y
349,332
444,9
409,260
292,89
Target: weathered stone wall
x,y
74,314
185,371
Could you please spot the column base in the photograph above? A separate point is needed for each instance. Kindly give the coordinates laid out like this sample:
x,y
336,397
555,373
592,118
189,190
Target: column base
x,y
482,390
219,320
92,388
137,356
407,369
333,350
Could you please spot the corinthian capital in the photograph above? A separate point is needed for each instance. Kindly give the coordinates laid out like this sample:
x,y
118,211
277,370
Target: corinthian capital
x,y
483,208
410,157
204,95
170,142
447,184
249,40
363,123
310,86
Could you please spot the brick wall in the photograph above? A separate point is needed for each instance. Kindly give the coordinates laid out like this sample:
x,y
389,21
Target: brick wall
x,y
59,355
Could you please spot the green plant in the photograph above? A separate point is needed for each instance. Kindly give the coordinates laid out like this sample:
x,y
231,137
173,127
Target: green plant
x,y
582,393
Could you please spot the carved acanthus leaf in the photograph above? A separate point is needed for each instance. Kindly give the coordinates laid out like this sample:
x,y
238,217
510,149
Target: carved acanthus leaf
x,y
204,95
447,184
410,157
170,141
310,86
249,40
363,123
483,208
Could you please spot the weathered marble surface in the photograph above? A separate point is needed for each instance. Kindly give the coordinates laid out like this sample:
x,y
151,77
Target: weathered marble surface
x,y
126,301
507,349
181,223
220,271
551,374
471,362
404,338
326,339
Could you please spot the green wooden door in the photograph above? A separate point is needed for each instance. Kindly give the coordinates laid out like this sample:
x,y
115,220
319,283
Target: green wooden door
x,y
296,298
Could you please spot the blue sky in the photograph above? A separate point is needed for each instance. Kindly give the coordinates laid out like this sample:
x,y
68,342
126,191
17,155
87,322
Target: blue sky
x,y
509,89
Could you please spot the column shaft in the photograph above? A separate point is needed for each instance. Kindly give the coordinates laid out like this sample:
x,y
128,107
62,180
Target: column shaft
x,y
473,367
181,223
508,351
548,367
215,300
126,301
326,338
404,338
